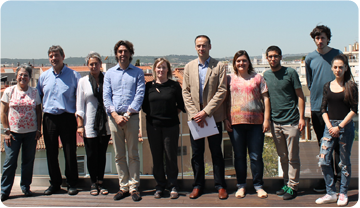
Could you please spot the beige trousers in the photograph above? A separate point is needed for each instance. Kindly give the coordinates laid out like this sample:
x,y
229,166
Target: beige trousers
x,y
129,174
286,138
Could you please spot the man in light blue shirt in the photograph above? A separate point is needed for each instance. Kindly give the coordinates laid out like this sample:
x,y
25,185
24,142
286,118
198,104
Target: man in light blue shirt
x,y
57,88
123,93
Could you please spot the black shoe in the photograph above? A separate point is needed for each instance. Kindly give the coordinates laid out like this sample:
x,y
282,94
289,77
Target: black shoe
x,y
51,190
320,187
4,197
28,193
120,195
135,195
283,190
72,190
290,194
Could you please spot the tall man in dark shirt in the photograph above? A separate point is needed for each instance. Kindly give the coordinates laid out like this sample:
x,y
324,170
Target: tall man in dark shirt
x,y
57,88
318,72
204,91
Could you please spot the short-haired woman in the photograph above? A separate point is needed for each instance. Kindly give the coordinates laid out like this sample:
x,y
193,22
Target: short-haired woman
x,y
21,118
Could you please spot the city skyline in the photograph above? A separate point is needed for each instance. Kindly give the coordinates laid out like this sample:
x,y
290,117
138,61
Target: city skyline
x,y
159,28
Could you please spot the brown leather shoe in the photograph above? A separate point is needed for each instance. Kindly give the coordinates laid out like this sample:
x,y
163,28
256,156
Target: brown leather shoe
x,y
223,194
195,193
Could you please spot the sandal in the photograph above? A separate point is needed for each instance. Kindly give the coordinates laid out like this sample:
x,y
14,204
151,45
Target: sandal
x,y
94,189
103,191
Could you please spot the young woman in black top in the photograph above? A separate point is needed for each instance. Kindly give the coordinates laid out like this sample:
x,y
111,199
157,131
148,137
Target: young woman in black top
x,y
339,106
162,103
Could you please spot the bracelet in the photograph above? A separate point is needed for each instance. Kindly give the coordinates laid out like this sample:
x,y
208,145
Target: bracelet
x,y
39,131
80,127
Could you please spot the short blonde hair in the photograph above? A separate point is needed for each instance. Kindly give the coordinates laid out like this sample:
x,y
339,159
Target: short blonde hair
x,y
159,61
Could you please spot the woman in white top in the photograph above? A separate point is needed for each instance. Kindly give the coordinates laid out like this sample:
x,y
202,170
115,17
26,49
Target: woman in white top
x,y
21,119
92,121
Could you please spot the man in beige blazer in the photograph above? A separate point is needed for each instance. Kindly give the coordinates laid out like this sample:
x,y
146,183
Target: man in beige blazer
x,y
204,90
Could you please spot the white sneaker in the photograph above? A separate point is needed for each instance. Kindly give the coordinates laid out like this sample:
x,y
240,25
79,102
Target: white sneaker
x,y
326,199
343,200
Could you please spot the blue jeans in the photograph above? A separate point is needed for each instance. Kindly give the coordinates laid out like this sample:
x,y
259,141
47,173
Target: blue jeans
x,y
345,141
251,137
28,143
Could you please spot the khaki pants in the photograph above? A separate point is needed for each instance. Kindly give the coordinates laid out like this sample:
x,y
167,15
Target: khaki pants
x,y
286,138
129,179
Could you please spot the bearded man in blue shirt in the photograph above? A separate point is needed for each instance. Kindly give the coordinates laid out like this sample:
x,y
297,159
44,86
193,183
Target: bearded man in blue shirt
x,y
123,93
57,88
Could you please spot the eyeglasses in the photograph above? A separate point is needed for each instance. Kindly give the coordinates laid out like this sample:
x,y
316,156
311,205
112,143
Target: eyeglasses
x,y
273,56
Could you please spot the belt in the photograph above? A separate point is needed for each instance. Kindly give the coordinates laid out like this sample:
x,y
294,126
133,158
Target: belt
x,y
122,113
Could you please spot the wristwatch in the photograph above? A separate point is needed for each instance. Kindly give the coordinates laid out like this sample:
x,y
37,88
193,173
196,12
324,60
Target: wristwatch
x,y
6,130
339,127
126,115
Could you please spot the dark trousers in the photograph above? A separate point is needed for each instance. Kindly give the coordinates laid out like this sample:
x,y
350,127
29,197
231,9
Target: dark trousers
x,y
319,127
96,156
63,125
197,160
164,142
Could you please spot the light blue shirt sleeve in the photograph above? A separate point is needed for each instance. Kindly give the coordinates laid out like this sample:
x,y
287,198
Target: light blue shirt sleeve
x,y
139,95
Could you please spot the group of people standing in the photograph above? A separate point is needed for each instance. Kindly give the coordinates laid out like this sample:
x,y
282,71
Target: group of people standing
x,y
247,104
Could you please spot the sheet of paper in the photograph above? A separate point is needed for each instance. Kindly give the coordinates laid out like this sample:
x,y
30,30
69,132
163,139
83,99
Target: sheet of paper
x,y
198,132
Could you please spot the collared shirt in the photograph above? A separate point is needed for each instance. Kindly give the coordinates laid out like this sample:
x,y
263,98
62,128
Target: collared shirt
x,y
202,75
58,91
123,90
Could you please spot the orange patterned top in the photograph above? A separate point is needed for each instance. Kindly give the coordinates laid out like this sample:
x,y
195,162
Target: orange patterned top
x,y
244,102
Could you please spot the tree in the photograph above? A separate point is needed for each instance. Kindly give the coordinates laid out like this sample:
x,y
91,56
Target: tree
x,y
137,62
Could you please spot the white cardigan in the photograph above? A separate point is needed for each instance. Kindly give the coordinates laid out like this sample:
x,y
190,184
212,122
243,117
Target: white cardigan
x,y
86,105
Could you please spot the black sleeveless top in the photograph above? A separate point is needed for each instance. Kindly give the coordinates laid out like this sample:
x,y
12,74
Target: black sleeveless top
x,y
334,105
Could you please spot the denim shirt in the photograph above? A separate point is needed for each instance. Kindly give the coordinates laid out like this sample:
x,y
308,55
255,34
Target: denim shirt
x,y
123,90
202,75
58,91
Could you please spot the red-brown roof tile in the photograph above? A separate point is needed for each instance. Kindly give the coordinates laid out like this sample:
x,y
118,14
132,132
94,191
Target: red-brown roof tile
x,y
144,67
3,69
148,77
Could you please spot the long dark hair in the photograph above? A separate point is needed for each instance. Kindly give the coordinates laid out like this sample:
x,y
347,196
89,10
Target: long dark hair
x,y
348,80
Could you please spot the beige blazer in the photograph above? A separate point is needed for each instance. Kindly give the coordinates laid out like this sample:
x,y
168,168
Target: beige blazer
x,y
214,92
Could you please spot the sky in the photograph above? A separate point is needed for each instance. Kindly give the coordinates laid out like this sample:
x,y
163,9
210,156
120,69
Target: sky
x,y
159,28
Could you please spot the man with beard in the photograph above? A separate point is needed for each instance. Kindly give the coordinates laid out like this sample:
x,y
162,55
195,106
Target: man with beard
x,y
318,72
286,120
57,88
123,93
